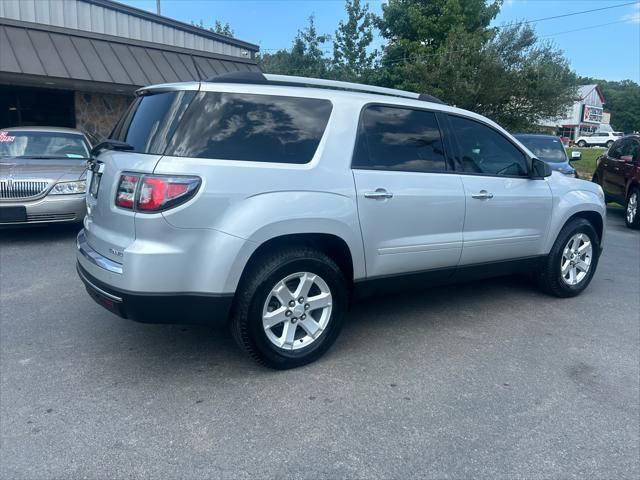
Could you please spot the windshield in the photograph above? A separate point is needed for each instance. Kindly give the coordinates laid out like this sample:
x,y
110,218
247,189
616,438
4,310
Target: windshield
x,y
43,145
545,148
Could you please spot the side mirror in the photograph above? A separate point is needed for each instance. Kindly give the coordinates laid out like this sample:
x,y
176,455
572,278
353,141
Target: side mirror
x,y
576,156
539,169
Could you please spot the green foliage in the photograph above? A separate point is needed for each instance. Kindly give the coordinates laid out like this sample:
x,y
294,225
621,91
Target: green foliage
x,y
622,101
305,58
222,28
446,48
352,60
218,27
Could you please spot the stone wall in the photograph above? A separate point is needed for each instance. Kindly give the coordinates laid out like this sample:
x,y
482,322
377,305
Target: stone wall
x,y
97,113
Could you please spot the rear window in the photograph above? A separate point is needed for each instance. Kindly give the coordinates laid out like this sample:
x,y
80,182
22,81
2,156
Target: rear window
x,y
151,120
226,126
545,148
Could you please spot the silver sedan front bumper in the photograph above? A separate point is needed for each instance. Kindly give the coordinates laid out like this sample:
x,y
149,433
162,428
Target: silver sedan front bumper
x,y
49,209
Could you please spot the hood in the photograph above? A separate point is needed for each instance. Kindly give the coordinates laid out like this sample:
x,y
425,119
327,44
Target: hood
x,y
50,170
562,167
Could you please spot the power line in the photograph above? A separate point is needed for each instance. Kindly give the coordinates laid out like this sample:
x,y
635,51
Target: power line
x,y
583,28
576,13
525,22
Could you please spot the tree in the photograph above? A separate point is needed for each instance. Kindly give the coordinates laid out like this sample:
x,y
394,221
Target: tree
x,y
417,29
222,28
218,27
352,59
622,101
447,48
305,58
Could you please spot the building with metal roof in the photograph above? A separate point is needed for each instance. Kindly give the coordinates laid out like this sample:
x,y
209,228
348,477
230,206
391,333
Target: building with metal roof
x,y
76,63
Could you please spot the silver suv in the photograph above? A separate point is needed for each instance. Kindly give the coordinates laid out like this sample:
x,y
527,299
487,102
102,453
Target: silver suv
x,y
270,202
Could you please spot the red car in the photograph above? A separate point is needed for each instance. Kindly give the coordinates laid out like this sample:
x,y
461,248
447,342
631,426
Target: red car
x,y
618,173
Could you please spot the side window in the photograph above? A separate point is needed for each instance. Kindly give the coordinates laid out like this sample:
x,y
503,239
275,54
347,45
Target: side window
x,y
485,151
403,139
617,149
257,128
630,150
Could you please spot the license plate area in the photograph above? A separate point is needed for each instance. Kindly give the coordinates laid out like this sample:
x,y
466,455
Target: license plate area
x,y
13,214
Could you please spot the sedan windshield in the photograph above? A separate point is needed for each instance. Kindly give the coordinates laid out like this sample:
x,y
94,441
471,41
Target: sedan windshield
x,y
45,145
545,148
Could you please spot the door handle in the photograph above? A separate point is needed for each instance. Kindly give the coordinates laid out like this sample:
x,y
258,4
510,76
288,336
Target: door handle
x,y
379,194
482,195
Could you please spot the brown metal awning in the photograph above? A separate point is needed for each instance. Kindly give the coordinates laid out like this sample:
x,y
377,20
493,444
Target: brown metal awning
x,y
42,55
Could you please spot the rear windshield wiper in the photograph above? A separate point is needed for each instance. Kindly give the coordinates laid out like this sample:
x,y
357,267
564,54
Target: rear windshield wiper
x,y
110,144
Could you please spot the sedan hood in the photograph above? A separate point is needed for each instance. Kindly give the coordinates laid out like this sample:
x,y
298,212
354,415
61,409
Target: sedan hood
x,y
51,170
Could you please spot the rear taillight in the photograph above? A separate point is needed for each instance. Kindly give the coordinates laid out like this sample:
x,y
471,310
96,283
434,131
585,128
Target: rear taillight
x,y
154,193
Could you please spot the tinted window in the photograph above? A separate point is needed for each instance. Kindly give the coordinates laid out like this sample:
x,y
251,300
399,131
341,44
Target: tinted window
x,y
393,138
260,128
616,149
545,148
484,150
151,120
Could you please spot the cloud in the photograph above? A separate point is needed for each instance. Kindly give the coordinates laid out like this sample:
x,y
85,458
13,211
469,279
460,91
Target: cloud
x,y
633,17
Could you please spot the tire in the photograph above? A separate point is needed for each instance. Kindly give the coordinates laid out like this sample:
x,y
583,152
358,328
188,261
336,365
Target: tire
x,y
582,144
632,209
256,298
550,278
609,143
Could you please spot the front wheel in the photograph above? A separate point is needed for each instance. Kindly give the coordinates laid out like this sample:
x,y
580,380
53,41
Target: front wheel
x,y
582,144
290,307
569,267
632,218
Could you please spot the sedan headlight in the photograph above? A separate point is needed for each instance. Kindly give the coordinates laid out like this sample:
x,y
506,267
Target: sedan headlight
x,y
69,188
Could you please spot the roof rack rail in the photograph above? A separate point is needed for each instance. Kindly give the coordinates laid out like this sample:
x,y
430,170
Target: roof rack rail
x,y
272,79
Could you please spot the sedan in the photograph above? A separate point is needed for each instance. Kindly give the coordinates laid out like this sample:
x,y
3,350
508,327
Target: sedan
x,y
42,175
550,149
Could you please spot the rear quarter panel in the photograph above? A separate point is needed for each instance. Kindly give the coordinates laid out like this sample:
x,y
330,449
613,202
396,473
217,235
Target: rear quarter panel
x,y
258,201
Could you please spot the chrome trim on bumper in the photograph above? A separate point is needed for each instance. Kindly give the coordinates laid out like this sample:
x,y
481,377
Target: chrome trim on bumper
x,y
94,257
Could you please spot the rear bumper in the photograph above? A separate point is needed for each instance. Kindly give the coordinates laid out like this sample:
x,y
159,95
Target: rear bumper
x,y
49,209
198,309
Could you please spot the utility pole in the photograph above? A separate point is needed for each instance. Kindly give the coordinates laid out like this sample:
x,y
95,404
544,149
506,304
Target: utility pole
x,y
158,6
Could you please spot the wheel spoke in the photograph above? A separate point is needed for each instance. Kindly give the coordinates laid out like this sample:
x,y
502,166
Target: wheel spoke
x,y
306,282
584,247
565,266
319,301
271,319
582,265
288,334
572,276
310,326
282,293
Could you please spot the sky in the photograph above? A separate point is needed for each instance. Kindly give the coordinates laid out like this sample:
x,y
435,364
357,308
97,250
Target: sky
x,y
603,44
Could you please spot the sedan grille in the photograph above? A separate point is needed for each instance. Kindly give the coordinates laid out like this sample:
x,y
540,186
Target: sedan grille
x,y
21,188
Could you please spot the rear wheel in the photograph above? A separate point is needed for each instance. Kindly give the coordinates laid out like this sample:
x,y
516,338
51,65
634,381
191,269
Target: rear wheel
x,y
632,216
570,265
582,143
291,307
609,143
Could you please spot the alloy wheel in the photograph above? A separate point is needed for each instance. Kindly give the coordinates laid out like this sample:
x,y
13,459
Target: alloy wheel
x,y
632,208
297,311
576,259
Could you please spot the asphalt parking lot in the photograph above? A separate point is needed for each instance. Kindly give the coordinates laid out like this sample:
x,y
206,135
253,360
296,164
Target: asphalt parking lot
x,y
488,380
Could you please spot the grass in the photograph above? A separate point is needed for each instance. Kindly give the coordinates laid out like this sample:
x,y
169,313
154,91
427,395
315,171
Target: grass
x,y
587,165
